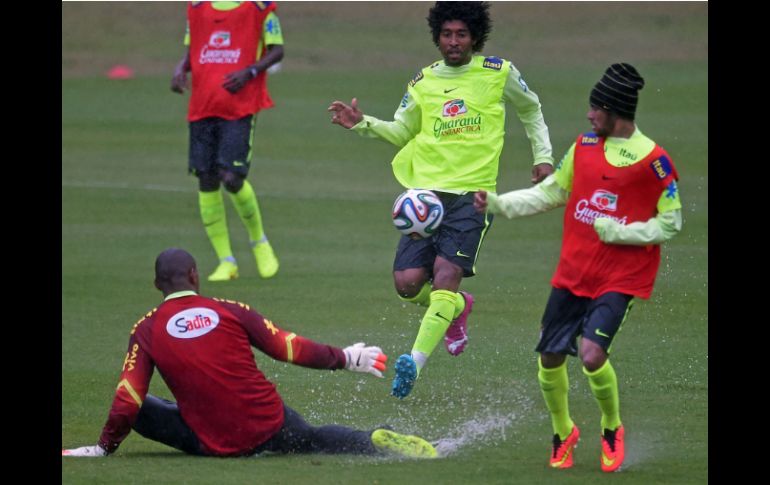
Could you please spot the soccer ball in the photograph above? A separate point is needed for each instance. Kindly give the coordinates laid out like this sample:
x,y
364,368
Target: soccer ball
x,y
417,213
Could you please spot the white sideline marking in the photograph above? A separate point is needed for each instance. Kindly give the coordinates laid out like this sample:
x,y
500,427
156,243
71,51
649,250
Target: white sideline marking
x,y
125,186
363,195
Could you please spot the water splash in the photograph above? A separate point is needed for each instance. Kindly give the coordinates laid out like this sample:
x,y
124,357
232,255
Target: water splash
x,y
486,429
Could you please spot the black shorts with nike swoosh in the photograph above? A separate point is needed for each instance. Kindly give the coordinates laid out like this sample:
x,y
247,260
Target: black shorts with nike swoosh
x,y
219,144
458,239
567,316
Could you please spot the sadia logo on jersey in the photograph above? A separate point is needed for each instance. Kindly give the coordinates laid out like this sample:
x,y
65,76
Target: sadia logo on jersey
x,y
453,108
220,39
192,323
604,200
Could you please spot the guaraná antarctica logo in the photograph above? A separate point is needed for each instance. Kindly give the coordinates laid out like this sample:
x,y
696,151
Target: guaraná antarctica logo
x,y
456,124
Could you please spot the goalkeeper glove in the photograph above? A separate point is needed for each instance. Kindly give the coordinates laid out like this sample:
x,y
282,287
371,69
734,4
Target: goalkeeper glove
x,y
89,451
359,358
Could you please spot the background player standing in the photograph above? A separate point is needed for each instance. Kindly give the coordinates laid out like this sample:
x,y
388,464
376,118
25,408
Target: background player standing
x,y
230,47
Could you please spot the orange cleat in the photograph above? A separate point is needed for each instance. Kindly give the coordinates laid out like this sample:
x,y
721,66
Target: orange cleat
x,y
613,449
561,457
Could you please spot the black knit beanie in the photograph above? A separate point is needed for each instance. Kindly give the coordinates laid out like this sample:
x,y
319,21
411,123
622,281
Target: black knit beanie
x,y
618,90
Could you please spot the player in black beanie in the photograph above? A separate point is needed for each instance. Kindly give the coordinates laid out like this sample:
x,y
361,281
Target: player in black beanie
x,y
621,199
618,90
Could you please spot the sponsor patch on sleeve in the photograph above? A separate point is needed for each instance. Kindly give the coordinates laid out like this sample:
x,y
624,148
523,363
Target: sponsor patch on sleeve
x,y
417,78
493,63
661,167
523,84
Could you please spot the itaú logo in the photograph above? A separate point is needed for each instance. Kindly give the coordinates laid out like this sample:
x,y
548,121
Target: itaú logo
x,y
192,323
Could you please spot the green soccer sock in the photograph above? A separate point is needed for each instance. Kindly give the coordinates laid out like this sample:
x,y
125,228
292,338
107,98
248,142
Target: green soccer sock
x,y
437,318
604,386
212,208
554,383
459,305
245,202
422,298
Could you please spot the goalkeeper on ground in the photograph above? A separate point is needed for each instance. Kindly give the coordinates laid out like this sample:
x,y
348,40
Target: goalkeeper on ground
x,y
225,405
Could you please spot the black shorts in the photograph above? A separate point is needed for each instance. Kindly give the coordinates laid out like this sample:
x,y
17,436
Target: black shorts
x,y
219,144
458,238
567,316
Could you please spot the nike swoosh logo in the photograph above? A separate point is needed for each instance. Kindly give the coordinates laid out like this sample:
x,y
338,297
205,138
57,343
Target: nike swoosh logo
x,y
601,334
238,164
438,314
449,90
218,21
604,177
358,360
563,459
607,461
459,253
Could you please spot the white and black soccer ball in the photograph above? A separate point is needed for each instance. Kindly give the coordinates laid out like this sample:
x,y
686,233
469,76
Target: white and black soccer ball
x,y
418,212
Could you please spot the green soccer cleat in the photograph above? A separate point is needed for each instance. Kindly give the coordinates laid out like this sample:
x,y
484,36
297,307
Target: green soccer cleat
x,y
267,263
226,271
400,444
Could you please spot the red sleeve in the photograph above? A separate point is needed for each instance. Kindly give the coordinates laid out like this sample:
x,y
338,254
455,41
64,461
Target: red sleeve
x,y
284,345
132,388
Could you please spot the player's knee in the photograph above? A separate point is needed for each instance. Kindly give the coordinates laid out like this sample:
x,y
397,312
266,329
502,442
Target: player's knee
x,y
208,182
232,182
406,290
592,356
406,287
550,360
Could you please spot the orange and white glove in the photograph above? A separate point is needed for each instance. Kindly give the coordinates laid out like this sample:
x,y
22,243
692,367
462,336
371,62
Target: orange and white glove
x,y
89,451
360,358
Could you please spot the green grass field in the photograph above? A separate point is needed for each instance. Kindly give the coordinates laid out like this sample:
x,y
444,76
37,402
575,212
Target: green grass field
x,y
326,195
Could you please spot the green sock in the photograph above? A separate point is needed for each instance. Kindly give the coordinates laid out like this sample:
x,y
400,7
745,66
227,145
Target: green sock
x,y
459,305
437,318
555,386
245,202
422,298
212,208
604,385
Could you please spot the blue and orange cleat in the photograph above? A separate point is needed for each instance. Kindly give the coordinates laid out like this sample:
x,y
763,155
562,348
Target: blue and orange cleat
x,y
563,451
406,373
613,449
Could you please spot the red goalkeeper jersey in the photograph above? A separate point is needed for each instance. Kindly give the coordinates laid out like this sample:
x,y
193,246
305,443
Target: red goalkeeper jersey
x,y
202,349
